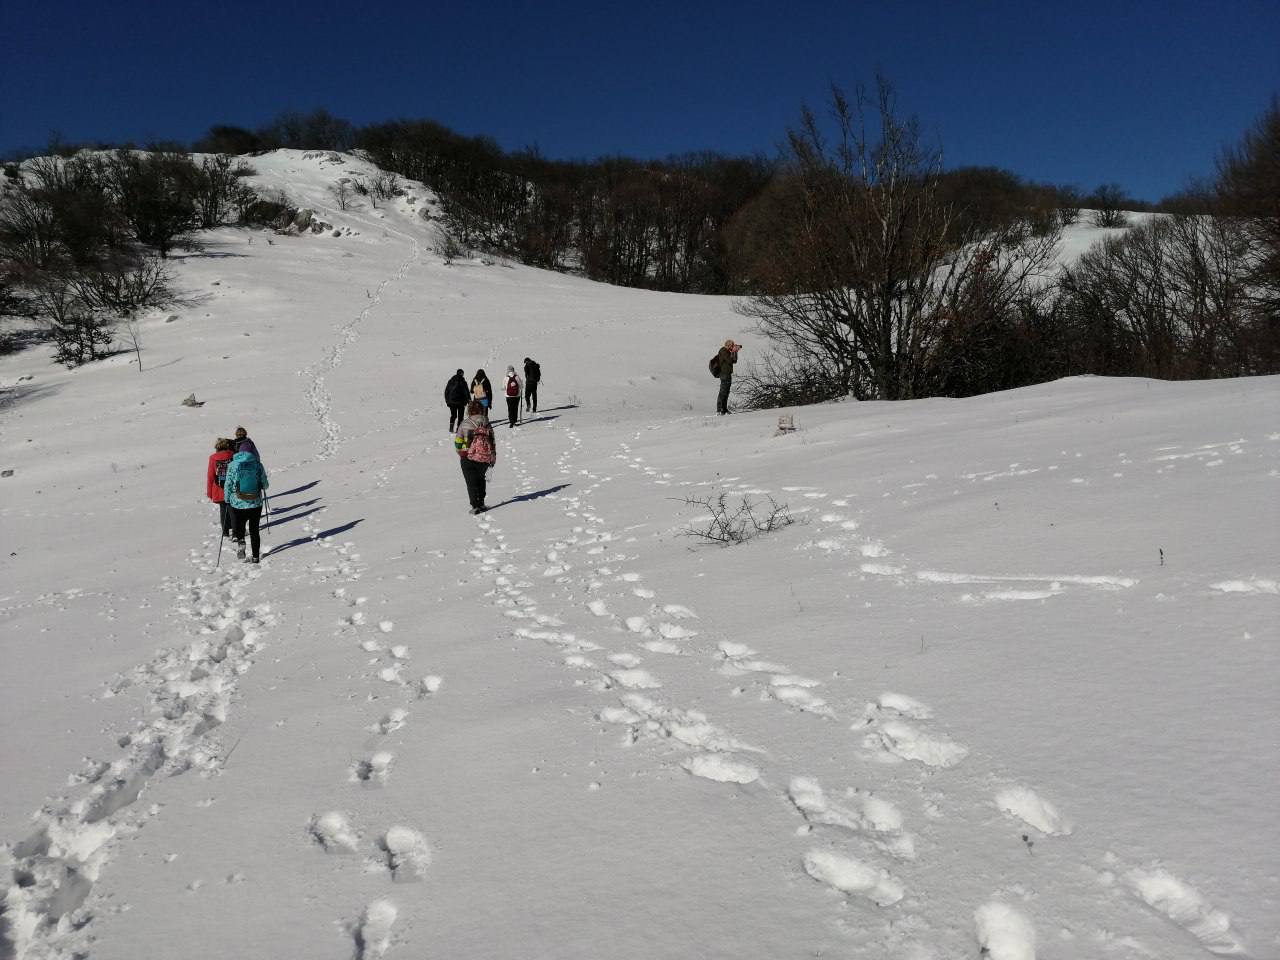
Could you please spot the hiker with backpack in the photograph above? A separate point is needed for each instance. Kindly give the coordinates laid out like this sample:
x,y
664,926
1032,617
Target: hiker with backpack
x,y
482,390
512,392
477,451
215,477
532,376
242,442
245,486
456,397
721,366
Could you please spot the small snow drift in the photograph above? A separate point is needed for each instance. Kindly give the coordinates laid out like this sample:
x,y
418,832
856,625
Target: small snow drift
x,y
333,833
1033,810
853,876
1187,907
408,853
373,932
1004,933
711,766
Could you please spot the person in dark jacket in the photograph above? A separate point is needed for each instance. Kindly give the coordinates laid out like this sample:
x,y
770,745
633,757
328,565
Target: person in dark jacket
x,y
456,396
219,461
242,442
244,488
532,375
474,465
482,390
727,356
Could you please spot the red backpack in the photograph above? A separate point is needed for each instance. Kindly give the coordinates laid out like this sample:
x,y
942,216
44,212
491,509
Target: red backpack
x,y
513,387
480,449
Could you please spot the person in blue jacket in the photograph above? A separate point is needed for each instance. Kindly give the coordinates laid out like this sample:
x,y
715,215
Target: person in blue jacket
x,y
245,486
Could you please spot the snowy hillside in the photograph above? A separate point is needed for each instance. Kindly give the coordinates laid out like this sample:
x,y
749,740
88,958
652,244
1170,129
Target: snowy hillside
x,y
1009,684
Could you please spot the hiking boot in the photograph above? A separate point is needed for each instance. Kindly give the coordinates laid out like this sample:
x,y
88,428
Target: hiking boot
x,y
240,550
255,560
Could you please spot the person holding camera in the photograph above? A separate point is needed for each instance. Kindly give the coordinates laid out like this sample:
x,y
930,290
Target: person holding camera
x,y
727,357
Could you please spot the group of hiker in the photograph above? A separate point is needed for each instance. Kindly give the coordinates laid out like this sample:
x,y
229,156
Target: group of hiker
x,y
469,422
457,394
237,482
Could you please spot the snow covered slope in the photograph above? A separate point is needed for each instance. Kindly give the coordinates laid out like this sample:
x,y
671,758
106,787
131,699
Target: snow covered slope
x,y
1009,684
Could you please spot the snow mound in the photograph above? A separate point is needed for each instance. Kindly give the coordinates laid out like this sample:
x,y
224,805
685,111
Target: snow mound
x,y
373,934
853,876
1032,809
332,832
408,853
711,766
1185,906
1004,933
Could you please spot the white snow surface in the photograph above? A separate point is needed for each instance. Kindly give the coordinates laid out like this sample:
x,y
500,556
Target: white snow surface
x,y
1070,587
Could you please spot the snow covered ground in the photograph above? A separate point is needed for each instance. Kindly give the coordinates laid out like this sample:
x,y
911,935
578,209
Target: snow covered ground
x,y
1009,684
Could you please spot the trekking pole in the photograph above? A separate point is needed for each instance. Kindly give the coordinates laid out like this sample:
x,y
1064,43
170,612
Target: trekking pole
x,y
266,506
220,539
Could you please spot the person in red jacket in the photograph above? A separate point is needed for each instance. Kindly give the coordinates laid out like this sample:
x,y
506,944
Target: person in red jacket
x,y
217,473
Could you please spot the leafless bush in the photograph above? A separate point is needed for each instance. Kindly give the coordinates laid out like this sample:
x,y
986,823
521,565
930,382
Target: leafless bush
x,y
738,522
1108,203
449,248
341,192
217,188
385,185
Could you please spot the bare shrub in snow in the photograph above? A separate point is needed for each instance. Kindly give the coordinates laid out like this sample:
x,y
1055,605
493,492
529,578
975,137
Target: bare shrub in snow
x,y
385,185
341,192
737,522
1108,203
449,248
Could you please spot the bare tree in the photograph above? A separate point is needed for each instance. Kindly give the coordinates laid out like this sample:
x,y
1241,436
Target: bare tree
x,y
341,192
872,263
1108,203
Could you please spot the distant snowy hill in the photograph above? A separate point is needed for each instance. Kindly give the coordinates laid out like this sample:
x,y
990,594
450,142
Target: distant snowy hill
x,y
1008,684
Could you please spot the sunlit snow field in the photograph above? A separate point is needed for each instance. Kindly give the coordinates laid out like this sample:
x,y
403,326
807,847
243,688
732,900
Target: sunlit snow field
x,y
1008,683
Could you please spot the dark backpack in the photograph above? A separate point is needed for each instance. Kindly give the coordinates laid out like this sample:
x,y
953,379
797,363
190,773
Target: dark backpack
x,y
255,491
220,472
513,387
456,392
714,366
532,372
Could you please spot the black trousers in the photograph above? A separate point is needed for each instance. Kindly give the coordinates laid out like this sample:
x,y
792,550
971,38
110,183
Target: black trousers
x,y
722,401
224,517
473,472
252,517
531,395
456,413
513,410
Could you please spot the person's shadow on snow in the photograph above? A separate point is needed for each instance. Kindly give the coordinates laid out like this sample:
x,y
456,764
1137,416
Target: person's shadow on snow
x,y
304,487
332,532
536,495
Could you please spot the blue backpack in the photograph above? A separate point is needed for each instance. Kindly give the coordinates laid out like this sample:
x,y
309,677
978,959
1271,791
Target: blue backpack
x,y
254,484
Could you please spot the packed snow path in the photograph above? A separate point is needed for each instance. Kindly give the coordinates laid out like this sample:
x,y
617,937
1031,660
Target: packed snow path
x,y
1005,688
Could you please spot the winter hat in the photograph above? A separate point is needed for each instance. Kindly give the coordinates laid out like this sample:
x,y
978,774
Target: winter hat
x,y
460,373
730,345
511,369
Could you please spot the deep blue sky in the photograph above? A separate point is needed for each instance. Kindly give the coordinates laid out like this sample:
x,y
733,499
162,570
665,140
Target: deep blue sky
x,y
1141,92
